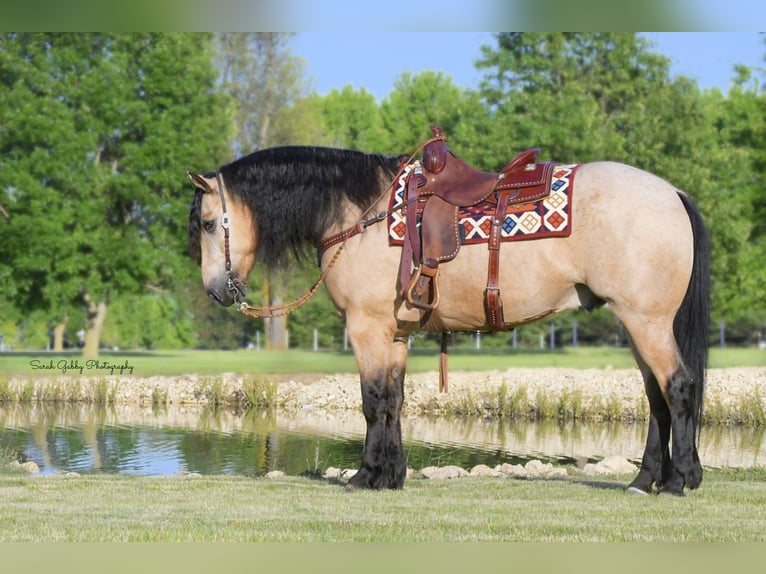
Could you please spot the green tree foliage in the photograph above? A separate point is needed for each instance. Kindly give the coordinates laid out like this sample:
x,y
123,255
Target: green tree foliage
x,y
262,77
352,119
425,100
97,131
740,121
571,94
156,321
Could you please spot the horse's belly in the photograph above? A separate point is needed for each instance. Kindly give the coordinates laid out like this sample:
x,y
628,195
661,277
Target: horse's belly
x,y
533,284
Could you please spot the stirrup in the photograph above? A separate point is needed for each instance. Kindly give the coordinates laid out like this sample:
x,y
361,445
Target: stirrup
x,y
423,282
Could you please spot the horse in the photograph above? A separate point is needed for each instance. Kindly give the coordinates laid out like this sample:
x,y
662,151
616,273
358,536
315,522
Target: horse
x,y
637,245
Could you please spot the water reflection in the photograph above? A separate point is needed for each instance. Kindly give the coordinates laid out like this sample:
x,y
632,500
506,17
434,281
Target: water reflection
x,y
148,441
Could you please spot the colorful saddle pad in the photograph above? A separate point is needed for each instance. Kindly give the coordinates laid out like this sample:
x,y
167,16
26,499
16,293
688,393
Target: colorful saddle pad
x,y
548,217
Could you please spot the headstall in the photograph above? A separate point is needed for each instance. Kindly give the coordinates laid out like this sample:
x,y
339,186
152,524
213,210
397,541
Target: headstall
x,y
233,284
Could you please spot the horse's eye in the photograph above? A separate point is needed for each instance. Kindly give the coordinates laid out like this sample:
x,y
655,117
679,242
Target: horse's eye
x,y
208,225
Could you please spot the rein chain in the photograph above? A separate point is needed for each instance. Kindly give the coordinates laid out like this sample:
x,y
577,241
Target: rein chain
x,y
236,288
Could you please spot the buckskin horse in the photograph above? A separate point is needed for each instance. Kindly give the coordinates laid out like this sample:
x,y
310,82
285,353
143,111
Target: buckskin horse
x,y
610,234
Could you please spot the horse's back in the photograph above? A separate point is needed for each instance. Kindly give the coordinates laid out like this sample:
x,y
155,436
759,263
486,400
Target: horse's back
x,y
613,180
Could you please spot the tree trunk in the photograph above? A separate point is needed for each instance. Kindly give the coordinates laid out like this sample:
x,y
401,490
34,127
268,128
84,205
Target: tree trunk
x,y
276,334
275,328
58,335
94,324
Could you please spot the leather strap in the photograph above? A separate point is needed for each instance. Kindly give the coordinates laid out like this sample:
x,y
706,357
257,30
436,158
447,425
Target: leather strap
x,y
337,238
225,222
411,247
492,299
443,383
233,284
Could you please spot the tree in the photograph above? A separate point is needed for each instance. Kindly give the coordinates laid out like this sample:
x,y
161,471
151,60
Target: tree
x,y
419,102
265,81
740,121
41,166
262,77
571,94
98,129
353,120
156,321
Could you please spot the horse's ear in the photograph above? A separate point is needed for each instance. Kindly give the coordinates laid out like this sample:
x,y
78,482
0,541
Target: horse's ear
x,y
206,184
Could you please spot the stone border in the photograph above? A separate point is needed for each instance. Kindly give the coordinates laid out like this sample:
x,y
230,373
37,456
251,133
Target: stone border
x,y
534,469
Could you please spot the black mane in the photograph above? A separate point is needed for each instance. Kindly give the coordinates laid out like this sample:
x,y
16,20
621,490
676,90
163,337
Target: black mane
x,y
295,194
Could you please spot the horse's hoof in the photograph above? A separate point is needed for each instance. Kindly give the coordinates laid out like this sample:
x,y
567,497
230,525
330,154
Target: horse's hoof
x,y
636,491
356,485
694,479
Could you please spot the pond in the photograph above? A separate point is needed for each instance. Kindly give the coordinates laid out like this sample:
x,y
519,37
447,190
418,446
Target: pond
x,y
173,440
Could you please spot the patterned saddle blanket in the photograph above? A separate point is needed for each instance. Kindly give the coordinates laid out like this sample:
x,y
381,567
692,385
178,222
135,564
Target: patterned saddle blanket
x,y
547,217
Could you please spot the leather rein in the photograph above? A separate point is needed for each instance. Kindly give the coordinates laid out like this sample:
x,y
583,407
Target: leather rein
x,y
238,289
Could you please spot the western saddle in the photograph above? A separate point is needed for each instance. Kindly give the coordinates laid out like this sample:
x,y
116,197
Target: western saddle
x,y
434,194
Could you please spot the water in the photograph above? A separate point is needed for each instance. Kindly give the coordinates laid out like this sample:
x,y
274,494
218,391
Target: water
x,y
145,441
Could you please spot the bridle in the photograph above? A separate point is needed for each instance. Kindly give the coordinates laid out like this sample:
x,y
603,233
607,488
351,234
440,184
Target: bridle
x,y
233,284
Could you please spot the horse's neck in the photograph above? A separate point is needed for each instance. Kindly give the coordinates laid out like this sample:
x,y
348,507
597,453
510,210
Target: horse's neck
x,y
352,214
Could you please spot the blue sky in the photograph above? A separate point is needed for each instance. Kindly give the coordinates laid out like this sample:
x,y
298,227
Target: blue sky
x,y
373,60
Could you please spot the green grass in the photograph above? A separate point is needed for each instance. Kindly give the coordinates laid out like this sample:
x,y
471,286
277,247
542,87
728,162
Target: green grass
x,y
329,362
728,507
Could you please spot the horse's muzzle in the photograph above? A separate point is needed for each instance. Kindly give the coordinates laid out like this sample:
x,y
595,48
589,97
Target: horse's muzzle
x,y
224,299
227,292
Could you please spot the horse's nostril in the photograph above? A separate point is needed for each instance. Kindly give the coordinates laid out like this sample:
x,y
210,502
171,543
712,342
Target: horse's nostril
x,y
214,296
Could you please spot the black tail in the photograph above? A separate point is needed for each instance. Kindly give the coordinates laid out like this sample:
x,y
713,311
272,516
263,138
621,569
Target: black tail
x,y
691,325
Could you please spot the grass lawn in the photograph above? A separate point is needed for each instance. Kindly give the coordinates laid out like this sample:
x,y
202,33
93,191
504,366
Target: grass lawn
x,y
328,362
729,506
